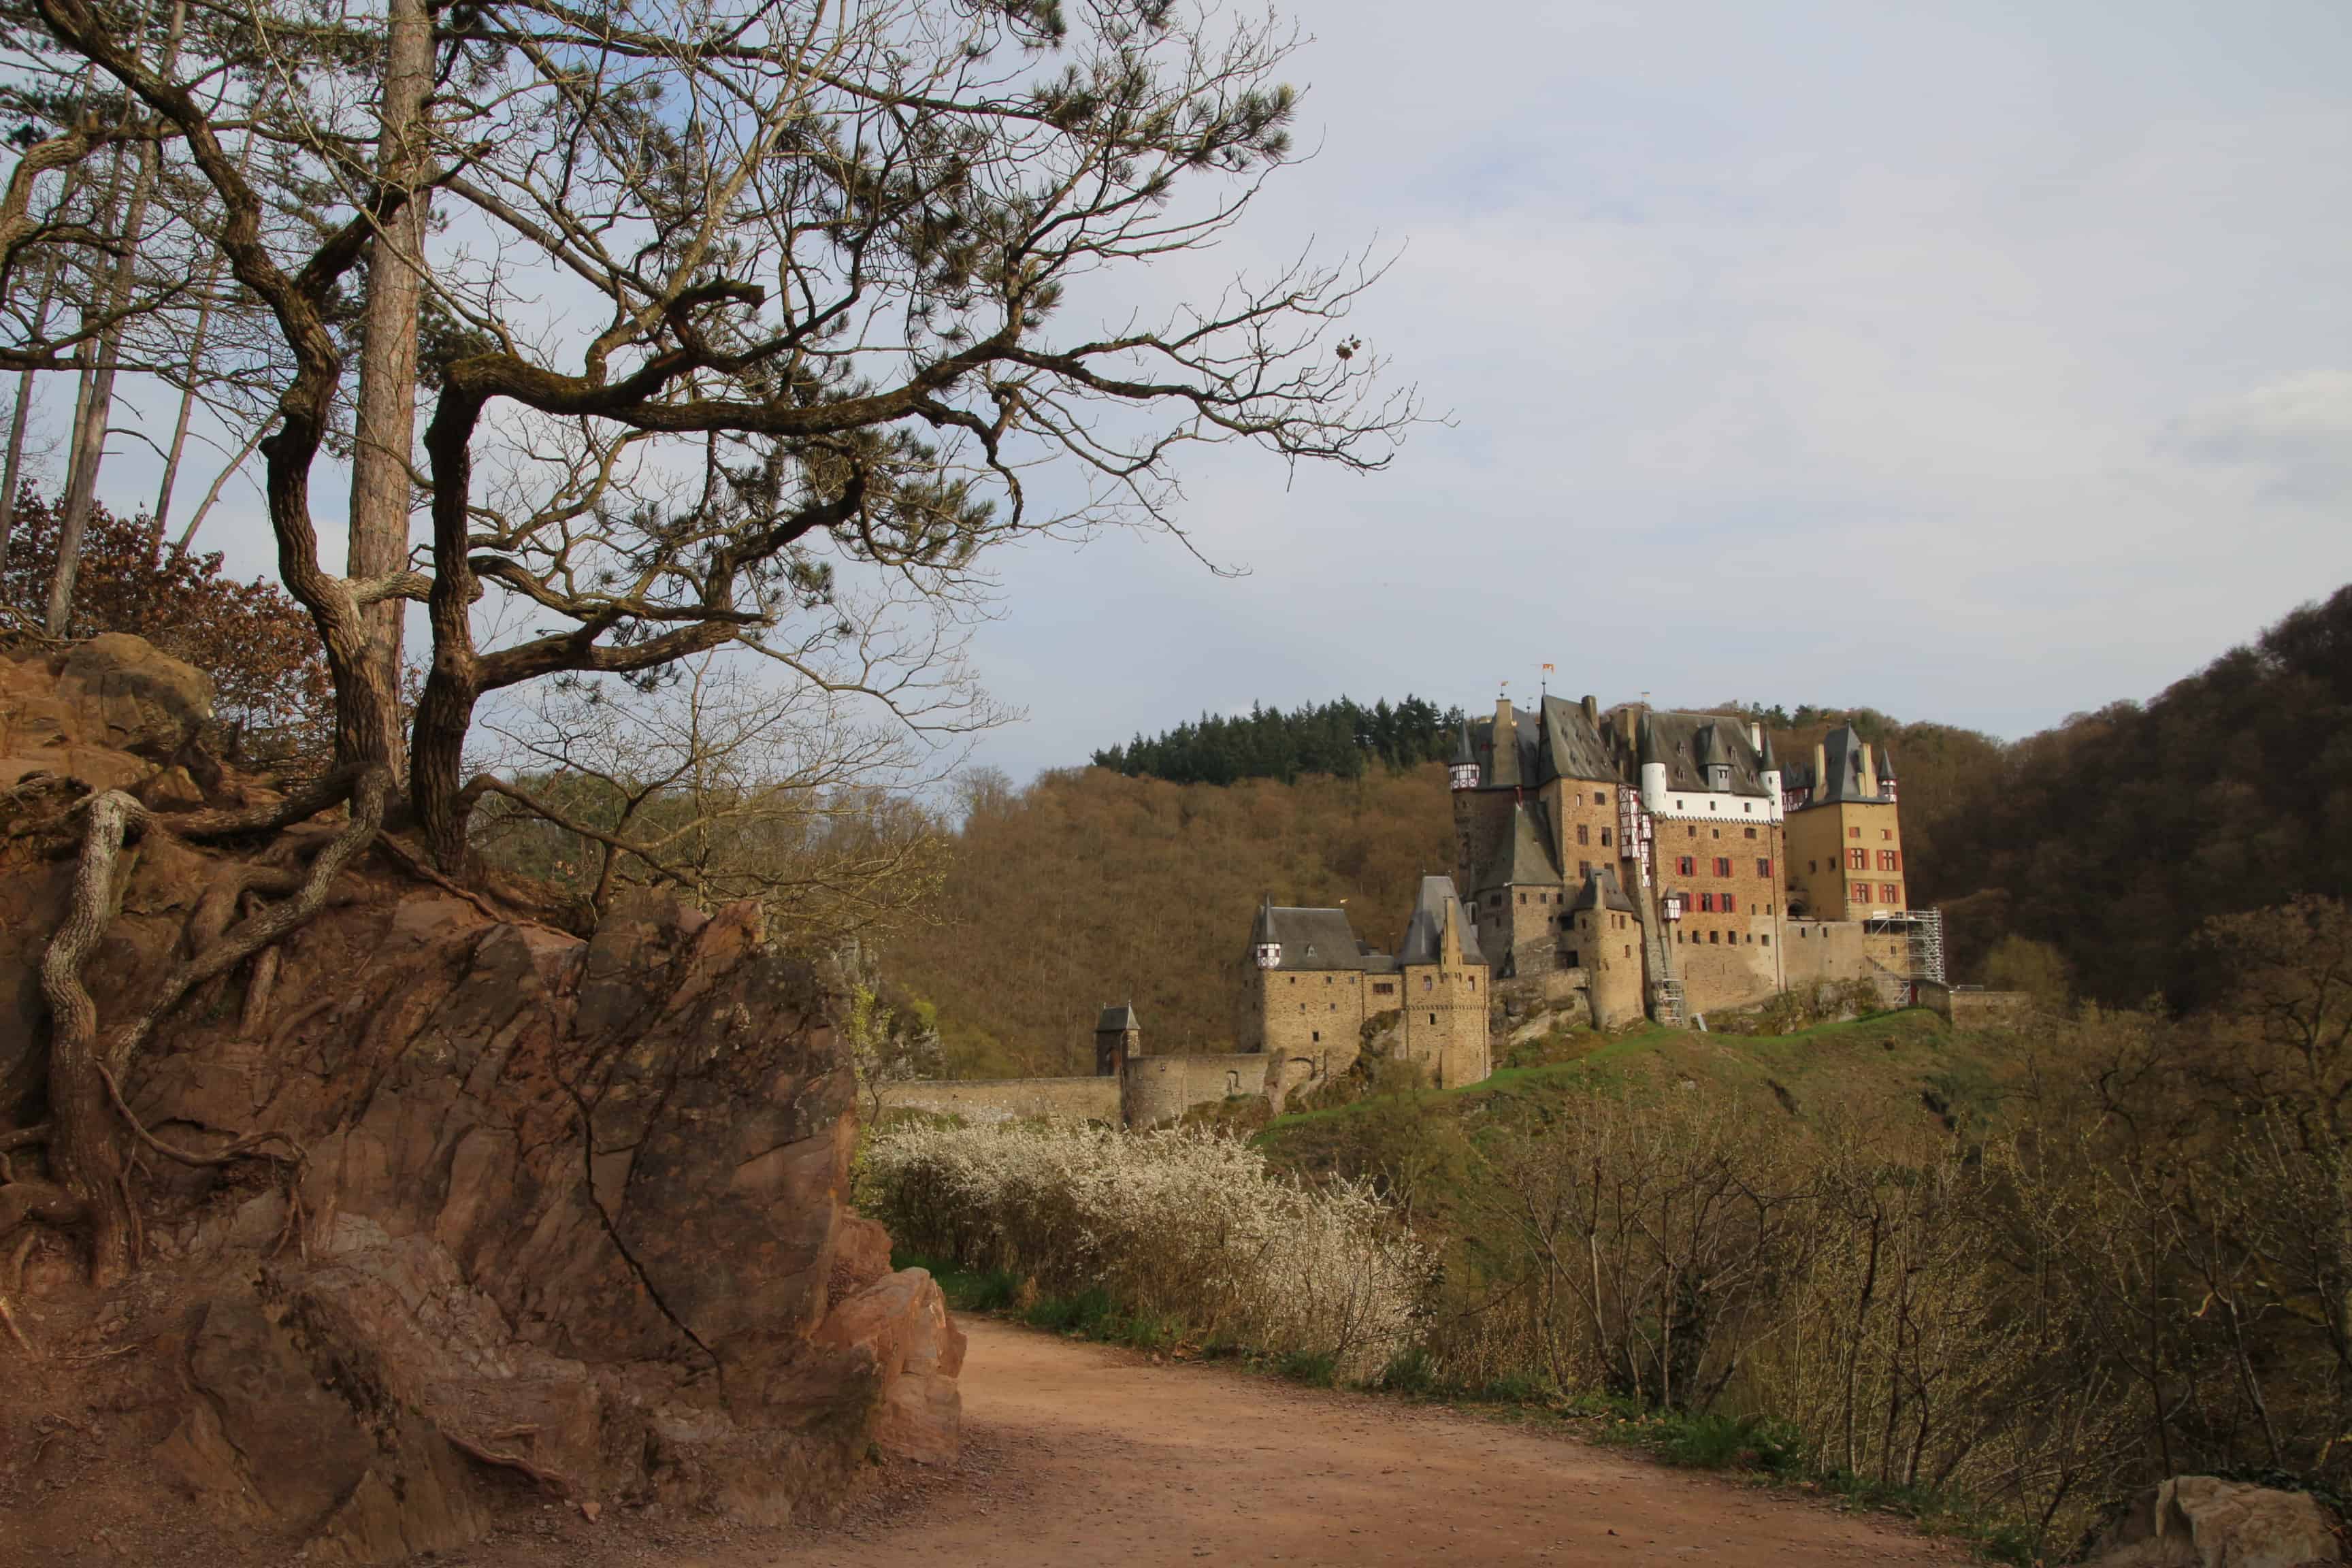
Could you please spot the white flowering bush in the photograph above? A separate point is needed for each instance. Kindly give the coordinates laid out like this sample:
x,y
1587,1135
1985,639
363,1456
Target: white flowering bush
x,y
1176,1224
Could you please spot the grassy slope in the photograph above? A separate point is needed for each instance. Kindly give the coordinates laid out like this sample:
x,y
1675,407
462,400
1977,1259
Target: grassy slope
x,y
1897,1069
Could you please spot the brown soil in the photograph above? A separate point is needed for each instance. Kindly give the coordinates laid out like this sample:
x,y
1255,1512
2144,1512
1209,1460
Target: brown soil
x,y
1077,1454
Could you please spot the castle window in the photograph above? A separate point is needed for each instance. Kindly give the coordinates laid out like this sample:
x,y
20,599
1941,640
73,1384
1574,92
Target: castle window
x,y
1747,806
1334,1007
1857,859
1679,806
1886,833
1432,1017
1751,833
1317,1035
1571,958
1854,833
1722,865
1293,979
1813,866
1730,905
1685,866
1891,893
1600,797
1384,987
1707,904
1767,908
1428,983
1692,831
1766,941
1604,838
1583,833
1584,867
1763,867
1714,937
1473,980
1523,897
1629,950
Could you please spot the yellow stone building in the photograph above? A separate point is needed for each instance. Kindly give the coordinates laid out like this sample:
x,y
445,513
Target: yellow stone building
x,y
1845,838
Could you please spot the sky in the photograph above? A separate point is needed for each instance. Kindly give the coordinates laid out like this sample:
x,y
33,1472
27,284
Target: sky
x,y
1978,362
1982,363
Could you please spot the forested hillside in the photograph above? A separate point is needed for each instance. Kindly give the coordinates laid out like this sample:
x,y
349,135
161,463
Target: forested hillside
x,y
1089,888
1344,739
2117,836
2111,839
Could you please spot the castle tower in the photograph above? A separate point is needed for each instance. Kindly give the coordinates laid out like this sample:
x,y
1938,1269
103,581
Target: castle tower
x,y
1604,939
1118,1036
1844,838
1447,988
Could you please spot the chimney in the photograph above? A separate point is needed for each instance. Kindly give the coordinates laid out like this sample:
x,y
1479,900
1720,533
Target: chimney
x,y
1592,711
1822,772
1756,735
1869,773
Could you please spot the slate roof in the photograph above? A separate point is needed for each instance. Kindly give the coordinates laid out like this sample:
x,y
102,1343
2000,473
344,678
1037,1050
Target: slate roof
x,y
1601,891
1424,936
1525,857
1842,753
1684,741
1116,1020
1317,939
1557,738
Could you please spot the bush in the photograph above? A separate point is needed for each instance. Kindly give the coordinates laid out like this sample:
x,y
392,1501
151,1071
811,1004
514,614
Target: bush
x,y
1156,1229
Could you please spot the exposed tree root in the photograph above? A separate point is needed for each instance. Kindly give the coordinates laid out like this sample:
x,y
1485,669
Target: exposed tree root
x,y
86,1154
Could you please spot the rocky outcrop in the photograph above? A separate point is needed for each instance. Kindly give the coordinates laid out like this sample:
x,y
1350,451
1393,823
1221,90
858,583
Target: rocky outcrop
x,y
567,1214
2201,1521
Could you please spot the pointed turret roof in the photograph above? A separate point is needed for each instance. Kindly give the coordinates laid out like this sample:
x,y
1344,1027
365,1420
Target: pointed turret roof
x,y
1772,762
1645,742
1886,759
1438,930
1706,747
1116,1020
1524,858
1463,756
1601,891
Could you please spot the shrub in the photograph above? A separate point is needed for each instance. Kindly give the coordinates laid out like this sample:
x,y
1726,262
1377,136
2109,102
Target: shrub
x,y
1177,1225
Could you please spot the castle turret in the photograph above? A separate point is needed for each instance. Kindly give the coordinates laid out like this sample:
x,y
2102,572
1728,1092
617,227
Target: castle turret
x,y
1886,773
1653,767
1264,945
1770,765
1464,773
1118,1036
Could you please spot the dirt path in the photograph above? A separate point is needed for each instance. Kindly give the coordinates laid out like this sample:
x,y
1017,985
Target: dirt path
x,y
1084,1455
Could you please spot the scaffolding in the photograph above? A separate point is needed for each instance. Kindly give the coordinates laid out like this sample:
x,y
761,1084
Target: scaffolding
x,y
1922,934
1667,996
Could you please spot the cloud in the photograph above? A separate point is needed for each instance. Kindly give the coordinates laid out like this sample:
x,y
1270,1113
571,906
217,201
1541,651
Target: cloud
x,y
2297,431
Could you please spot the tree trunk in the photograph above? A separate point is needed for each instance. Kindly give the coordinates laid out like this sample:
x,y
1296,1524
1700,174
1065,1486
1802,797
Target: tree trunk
x,y
386,415
89,434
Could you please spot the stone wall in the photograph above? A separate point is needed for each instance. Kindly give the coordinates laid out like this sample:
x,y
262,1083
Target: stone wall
x,y
1607,946
1161,1088
1007,1100
1444,1023
1832,951
1971,1009
1820,839
1742,965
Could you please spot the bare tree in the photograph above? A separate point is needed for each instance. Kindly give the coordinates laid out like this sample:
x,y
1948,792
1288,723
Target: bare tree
x,y
742,311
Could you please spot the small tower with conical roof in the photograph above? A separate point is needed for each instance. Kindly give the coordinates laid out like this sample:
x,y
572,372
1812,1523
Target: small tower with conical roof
x,y
1464,773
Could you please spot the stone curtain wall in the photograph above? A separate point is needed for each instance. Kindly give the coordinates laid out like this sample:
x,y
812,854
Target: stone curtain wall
x,y
1008,1100
1309,1012
1161,1088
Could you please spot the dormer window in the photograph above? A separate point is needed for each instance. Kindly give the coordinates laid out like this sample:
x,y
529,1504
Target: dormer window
x,y
1718,777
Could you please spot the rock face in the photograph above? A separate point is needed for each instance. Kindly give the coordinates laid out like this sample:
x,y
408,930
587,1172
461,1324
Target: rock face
x,y
2200,1521
569,1214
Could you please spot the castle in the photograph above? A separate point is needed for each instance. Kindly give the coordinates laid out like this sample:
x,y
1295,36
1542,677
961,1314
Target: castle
x,y
1640,863
1668,866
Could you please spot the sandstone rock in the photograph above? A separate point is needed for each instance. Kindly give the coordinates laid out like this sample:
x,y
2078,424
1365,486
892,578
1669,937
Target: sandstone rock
x,y
129,696
900,1327
577,1209
2201,1521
